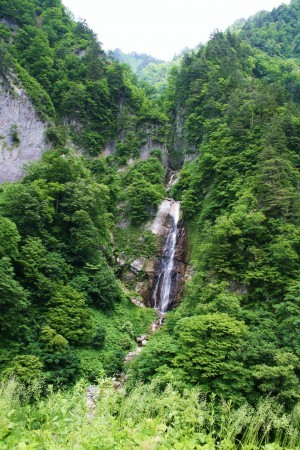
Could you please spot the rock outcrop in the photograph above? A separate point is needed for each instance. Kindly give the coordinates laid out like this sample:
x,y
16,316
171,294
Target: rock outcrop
x,y
22,133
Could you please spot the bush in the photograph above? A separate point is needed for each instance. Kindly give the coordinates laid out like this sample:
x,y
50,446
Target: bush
x,y
13,132
99,337
37,94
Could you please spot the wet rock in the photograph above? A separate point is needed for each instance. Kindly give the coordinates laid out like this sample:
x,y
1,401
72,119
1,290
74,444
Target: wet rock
x,y
150,266
181,244
142,288
160,315
172,179
157,323
177,274
160,225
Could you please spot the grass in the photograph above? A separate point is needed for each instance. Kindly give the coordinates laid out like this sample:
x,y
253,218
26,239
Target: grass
x,y
144,419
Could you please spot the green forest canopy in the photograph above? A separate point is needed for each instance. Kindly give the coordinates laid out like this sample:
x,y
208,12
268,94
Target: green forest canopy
x,y
230,110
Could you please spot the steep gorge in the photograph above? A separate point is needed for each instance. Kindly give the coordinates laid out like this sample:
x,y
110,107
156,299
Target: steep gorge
x,y
81,225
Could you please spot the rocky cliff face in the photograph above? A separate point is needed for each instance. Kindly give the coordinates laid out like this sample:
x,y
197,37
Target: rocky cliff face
x,y
182,150
162,226
178,271
22,133
180,261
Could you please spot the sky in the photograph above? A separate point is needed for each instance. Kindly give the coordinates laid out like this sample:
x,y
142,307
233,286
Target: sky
x,y
161,28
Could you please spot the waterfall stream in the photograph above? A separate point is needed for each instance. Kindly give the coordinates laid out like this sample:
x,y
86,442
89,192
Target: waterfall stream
x,y
165,287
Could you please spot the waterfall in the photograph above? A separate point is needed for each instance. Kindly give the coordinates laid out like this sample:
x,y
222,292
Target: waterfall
x,y
163,294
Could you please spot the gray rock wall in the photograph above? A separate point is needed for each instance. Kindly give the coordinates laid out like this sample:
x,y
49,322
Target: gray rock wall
x,y
17,113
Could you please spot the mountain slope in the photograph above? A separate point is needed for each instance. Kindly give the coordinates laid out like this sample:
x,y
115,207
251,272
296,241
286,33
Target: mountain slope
x,y
136,61
277,32
236,332
230,118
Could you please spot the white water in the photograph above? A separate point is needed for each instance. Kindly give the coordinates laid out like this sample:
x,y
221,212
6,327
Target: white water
x,y
173,180
165,209
161,294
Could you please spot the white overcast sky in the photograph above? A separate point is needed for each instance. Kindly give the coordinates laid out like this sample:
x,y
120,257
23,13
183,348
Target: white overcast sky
x,y
161,28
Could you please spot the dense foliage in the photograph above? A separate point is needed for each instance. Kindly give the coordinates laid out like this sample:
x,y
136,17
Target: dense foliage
x,y
69,78
146,418
276,32
229,114
236,333
56,269
63,309
137,61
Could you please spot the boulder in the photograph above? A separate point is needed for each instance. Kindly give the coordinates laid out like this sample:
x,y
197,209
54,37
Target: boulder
x,y
137,302
137,265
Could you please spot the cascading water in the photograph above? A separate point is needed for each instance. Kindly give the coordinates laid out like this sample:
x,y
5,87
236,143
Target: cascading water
x,y
164,291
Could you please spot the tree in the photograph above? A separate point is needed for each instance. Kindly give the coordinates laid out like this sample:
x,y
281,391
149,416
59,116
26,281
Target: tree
x,y
26,368
208,352
143,198
29,206
280,379
68,316
5,59
277,182
85,239
42,271
99,283
60,363
9,238
288,317
13,300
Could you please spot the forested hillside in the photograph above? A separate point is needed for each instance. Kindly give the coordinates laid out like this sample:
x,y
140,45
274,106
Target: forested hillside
x,y
277,32
236,332
152,73
136,61
64,314
224,370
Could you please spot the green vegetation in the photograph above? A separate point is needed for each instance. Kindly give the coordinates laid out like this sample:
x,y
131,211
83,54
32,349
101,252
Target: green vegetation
x,y
224,370
14,135
143,189
70,79
59,294
232,335
146,418
136,61
39,97
276,32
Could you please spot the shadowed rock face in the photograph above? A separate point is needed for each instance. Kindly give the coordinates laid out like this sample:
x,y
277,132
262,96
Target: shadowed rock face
x,y
22,134
180,261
